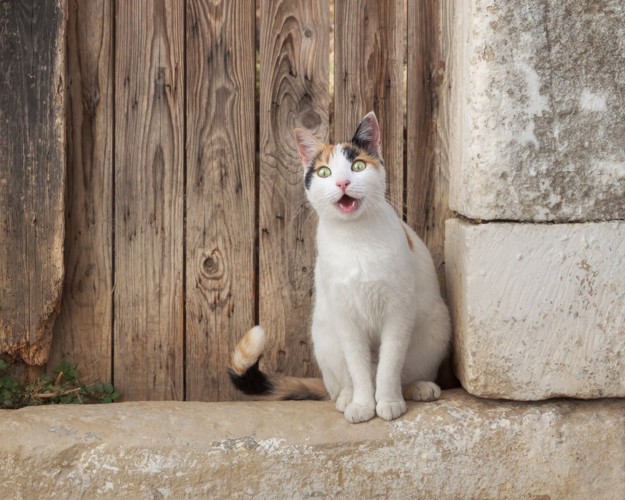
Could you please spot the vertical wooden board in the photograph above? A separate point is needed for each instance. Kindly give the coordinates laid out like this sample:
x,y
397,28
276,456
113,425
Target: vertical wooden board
x,y
149,188
32,174
83,330
369,62
221,175
293,93
427,173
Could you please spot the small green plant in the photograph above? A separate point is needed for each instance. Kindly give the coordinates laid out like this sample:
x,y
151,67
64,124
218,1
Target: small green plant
x,y
64,387
10,389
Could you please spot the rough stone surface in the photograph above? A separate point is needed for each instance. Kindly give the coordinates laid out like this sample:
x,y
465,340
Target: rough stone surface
x,y
538,308
458,447
538,97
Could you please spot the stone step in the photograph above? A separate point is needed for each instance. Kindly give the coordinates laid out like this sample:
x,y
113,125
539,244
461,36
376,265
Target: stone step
x,y
457,447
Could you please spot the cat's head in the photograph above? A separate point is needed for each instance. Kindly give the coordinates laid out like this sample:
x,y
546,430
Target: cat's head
x,y
344,181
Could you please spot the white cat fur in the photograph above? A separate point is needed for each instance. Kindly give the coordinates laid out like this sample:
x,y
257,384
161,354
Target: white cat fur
x,y
379,322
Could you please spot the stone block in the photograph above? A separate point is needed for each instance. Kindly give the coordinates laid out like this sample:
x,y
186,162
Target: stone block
x,y
457,447
538,93
538,308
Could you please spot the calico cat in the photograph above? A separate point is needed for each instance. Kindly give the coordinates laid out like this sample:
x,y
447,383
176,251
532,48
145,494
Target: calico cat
x,y
380,328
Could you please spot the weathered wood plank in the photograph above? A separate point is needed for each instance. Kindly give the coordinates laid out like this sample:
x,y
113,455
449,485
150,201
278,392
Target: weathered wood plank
x,y
32,174
427,118
427,172
83,330
221,190
369,61
149,192
293,92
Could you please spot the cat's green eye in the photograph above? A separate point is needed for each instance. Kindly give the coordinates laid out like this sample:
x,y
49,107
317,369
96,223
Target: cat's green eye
x,y
358,166
324,172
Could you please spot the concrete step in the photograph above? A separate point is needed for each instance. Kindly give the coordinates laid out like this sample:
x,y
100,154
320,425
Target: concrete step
x,y
457,447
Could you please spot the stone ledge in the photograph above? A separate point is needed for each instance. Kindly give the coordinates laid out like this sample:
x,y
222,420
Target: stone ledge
x,y
457,447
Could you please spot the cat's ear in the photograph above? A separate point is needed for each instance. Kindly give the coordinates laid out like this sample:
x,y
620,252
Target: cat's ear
x,y
307,145
367,135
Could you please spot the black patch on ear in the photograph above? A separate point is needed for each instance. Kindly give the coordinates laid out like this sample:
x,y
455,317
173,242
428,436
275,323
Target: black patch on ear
x,y
253,382
365,145
360,143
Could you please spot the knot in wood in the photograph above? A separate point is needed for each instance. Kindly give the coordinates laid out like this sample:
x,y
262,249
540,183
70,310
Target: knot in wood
x,y
211,265
308,115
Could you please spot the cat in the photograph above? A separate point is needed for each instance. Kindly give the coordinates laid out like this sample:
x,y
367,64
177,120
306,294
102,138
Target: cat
x,y
380,328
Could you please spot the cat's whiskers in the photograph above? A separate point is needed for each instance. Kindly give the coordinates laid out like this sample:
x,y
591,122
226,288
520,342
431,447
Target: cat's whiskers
x,y
372,208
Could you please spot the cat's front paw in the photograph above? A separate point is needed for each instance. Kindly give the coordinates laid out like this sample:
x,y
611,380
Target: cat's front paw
x,y
390,410
356,413
345,397
426,391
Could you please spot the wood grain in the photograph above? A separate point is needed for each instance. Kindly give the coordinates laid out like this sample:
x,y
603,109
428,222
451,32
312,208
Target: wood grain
x,y
427,119
427,165
293,93
221,190
369,61
149,191
32,174
84,328
243,241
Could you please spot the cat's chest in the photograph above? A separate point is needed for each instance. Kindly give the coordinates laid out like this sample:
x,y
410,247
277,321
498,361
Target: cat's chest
x,y
357,277
355,291
363,268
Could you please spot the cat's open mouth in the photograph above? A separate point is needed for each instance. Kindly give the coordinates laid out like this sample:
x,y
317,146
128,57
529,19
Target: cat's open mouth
x,y
347,204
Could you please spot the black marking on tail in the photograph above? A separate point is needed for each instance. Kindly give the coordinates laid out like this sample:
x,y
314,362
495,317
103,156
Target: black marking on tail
x,y
305,396
253,382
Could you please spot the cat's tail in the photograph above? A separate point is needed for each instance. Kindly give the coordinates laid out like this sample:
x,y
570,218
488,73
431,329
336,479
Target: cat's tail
x,y
246,376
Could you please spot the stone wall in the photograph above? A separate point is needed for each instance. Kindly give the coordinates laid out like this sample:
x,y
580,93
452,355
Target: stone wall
x,y
537,136
538,100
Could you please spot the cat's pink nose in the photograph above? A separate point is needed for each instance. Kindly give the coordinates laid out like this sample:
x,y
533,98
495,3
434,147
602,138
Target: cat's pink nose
x,y
343,184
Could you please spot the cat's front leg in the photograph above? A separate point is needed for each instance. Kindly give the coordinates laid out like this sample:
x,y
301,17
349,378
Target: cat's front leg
x,y
388,393
357,353
345,397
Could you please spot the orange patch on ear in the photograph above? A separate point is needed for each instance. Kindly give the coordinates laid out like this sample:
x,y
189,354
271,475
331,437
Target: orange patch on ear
x,y
410,243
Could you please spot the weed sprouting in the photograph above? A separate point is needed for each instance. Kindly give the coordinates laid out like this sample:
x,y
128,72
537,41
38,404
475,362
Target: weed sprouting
x,y
63,387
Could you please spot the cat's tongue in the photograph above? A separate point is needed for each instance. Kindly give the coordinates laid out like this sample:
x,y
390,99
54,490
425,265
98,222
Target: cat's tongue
x,y
347,204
